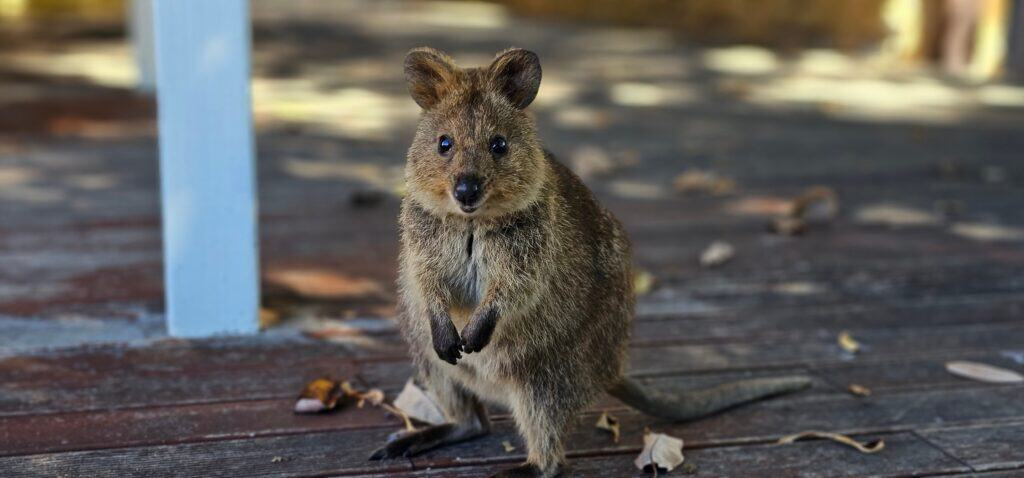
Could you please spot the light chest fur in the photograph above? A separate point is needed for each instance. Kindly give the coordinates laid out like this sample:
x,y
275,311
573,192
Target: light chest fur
x,y
452,258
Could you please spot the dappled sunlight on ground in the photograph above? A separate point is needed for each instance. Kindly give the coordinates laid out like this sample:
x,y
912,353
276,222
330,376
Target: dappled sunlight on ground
x,y
362,97
381,176
323,283
106,63
988,232
349,112
650,94
741,60
895,215
763,206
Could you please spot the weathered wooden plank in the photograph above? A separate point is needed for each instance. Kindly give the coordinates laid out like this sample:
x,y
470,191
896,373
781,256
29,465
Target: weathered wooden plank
x,y
124,393
734,325
921,373
810,350
769,420
883,376
905,455
342,452
311,454
219,420
855,262
983,447
718,324
754,423
674,305
170,356
34,434
900,321
119,377
757,422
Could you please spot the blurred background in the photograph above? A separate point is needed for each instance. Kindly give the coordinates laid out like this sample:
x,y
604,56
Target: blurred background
x,y
695,122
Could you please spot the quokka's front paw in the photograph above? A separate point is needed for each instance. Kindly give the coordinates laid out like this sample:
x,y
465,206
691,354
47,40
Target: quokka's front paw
x,y
477,333
447,342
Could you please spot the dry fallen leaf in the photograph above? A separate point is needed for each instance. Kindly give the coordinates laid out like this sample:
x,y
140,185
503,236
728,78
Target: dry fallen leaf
x,y
508,446
816,204
323,283
609,423
373,396
320,395
660,452
323,394
643,282
869,447
982,372
788,226
718,253
703,182
419,405
847,342
859,390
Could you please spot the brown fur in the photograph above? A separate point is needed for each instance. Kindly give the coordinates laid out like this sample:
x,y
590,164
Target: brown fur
x,y
525,302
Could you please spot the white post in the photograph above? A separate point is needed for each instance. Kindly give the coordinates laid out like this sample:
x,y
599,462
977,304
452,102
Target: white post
x,y
207,170
140,29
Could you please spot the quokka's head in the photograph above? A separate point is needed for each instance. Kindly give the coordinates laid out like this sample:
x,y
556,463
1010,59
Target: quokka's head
x,y
475,153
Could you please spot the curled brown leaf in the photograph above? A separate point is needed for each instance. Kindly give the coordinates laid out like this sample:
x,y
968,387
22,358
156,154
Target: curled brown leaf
x,y
609,423
847,342
859,390
696,181
816,204
867,447
320,395
788,226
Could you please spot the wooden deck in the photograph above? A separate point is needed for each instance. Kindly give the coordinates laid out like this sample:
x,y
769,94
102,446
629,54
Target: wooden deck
x,y
924,264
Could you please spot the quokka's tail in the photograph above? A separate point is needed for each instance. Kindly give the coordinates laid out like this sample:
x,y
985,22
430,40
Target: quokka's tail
x,y
699,403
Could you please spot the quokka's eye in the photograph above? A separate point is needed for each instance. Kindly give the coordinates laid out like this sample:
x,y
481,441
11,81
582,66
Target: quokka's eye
x,y
444,145
499,146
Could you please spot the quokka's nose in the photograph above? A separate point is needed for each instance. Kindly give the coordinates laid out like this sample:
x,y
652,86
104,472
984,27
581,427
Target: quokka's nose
x,y
468,189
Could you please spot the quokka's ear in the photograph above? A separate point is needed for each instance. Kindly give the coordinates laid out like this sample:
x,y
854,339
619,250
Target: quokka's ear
x,y
515,73
430,74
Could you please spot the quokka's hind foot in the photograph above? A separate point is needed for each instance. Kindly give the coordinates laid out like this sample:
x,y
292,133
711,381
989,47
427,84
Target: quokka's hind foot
x,y
419,441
